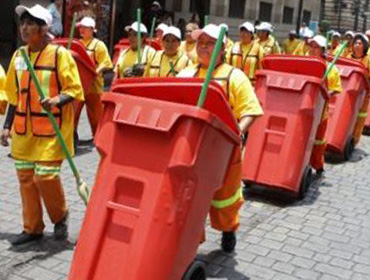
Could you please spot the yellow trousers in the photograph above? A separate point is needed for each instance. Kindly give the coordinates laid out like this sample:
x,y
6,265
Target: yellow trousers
x,y
40,181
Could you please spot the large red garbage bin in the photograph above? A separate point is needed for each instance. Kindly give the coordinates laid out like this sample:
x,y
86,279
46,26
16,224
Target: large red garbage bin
x,y
344,107
85,65
280,143
161,163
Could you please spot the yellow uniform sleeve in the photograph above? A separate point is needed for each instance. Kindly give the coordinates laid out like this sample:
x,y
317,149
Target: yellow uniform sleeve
x,y
242,98
10,88
334,81
3,99
261,55
68,75
102,56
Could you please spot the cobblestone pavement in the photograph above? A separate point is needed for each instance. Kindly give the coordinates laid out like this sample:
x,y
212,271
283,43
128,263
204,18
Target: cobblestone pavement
x,y
325,236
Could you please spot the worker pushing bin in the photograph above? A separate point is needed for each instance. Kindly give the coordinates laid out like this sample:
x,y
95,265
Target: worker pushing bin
x,y
162,161
344,107
85,65
279,145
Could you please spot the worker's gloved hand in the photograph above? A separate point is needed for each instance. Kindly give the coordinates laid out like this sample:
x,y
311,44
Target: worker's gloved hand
x,y
48,103
138,70
4,136
128,73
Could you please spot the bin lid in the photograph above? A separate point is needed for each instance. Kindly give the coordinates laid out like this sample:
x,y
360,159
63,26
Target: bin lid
x,y
78,48
303,65
346,61
180,90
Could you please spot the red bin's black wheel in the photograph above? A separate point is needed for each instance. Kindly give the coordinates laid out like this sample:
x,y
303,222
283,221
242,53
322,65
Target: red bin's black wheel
x,y
196,271
348,149
305,182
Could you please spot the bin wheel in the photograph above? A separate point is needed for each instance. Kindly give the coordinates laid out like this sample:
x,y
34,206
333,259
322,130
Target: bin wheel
x,y
247,184
348,149
196,271
305,182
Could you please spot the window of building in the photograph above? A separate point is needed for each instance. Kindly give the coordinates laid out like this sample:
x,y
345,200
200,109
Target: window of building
x,y
306,17
236,8
288,15
265,11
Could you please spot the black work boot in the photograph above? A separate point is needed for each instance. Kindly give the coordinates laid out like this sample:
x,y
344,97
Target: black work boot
x,y
61,229
228,241
25,237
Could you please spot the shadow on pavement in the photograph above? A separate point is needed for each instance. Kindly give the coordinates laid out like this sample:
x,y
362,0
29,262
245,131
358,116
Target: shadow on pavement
x,y
335,159
229,272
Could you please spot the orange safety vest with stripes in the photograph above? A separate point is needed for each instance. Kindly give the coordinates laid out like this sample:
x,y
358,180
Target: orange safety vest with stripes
x,y
251,61
155,66
45,66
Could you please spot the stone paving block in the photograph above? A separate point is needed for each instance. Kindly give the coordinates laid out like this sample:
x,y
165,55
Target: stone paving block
x,y
282,230
257,250
306,274
342,263
283,276
359,276
271,244
361,268
280,256
298,235
318,248
40,274
263,272
283,267
361,259
293,241
312,230
298,251
275,236
333,271
336,237
264,261
303,262
340,254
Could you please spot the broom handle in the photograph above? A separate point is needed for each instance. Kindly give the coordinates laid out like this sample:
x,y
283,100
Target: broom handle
x,y
72,31
138,15
331,65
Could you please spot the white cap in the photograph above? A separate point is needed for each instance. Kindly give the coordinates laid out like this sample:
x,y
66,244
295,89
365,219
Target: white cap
x,y
308,33
320,40
247,25
36,11
363,36
162,27
211,30
87,22
367,33
292,32
224,25
350,33
135,27
264,26
156,3
336,34
172,30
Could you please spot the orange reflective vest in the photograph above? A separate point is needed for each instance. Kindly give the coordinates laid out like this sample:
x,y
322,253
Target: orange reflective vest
x,y
250,62
28,98
155,66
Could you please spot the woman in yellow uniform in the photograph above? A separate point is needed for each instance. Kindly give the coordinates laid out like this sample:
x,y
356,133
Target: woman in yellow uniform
x,y
3,102
170,61
189,45
304,46
360,53
247,54
318,45
266,40
127,63
35,149
335,43
99,54
224,212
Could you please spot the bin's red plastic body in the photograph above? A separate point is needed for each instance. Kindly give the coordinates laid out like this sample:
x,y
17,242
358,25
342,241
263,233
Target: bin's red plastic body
x,y
344,107
86,67
125,44
367,122
161,164
280,143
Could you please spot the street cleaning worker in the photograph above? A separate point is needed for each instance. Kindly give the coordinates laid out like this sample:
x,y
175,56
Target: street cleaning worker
x,y
318,45
335,43
246,54
291,43
266,40
229,43
37,153
127,63
349,35
170,61
224,212
3,100
304,46
189,45
99,54
360,53
161,28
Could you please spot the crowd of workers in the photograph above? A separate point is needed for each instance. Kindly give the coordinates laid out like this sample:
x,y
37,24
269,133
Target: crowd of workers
x,y
35,149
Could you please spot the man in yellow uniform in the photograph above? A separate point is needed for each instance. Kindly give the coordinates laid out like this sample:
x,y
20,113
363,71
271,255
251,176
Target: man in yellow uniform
x,y
224,212
189,45
246,54
35,148
360,53
170,61
266,40
304,46
290,44
3,100
318,45
99,54
127,63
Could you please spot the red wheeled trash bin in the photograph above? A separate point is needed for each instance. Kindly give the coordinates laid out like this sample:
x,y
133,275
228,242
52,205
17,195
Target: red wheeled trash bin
x,y
86,67
280,143
344,107
161,163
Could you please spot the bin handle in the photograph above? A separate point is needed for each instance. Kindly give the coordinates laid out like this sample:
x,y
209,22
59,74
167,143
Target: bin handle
x,y
274,132
122,208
